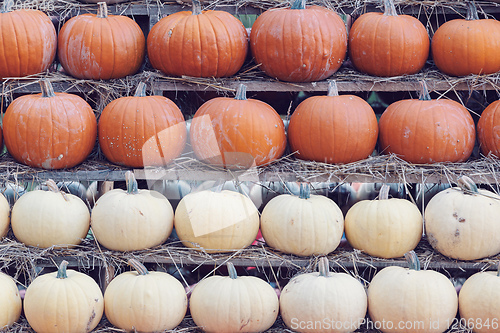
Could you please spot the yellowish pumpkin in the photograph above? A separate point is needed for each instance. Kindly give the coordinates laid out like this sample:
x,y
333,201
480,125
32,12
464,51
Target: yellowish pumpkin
x,y
4,216
10,304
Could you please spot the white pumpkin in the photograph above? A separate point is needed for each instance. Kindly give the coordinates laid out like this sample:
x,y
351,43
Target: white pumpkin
x,y
10,304
4,216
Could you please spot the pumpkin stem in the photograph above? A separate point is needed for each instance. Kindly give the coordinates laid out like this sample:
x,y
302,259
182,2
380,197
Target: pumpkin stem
x,y
324,266
389,8
299,4
241,93
384,192
61,271
424,92
412,260
498,269
471,11
132,187
52,186
196,7
305,191
102,10
7,6
140,268
232,271
467,184
332,88
140,91
47,89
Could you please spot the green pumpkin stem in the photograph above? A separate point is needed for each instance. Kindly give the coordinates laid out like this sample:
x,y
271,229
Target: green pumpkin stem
x,y
471,11
389,8
140,91
241,93
61,271
412,260
47,89
52,186
231,270
299,4
102,10
467,185
305,191
196,7
132,187
424,92
384,192
333,90
324,266
140,268
7,6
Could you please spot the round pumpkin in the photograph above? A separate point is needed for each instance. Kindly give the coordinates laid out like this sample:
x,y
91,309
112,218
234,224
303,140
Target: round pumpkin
x,y
229,304
145,301
65,301
299,43
216,221
50,218
336,301
411,300
479,302
454,226
427,130
49,130
11,305
28,41
388,44
488,130
210,43
4,216
319,127
303,225
140,130
467,46
133,219
386,228
101,46
237,132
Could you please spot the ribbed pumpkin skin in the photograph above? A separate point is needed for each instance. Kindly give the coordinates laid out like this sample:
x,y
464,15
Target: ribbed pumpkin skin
x,y
427,131
488,129
462,47
101,48
385,45
50,132
211,44
320,125
299,45
28,43
142,131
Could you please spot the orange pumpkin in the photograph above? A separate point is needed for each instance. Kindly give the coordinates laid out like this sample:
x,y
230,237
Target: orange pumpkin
x,y
209,43
467,46
237,132
299,44
28,42
140,130
488,130
49,130
388,44
98,46
427,131
320,125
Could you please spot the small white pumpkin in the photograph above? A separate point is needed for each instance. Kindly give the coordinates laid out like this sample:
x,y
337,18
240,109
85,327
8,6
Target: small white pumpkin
x,y
10,304
4,216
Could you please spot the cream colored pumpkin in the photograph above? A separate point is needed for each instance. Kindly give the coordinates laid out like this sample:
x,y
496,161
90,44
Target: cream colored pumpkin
x,y
303,225
216,221
133,219
411,300
323,302
65,301
4,216
10,304
145,301
228,304
479,302
50,218
386,228
462,222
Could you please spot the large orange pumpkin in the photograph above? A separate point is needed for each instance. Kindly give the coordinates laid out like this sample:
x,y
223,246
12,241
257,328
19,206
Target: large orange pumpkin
x,y
488,130
467,46
140,130
237,132
210,43
49,130
427,131
98,46
299,44
388,44
319,127
28,42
